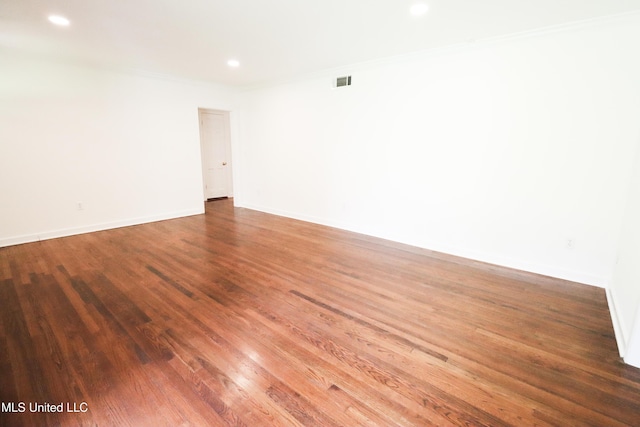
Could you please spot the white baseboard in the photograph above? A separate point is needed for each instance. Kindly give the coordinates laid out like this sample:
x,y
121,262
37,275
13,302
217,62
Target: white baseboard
x,y
632,352
522,265
53,234
618,328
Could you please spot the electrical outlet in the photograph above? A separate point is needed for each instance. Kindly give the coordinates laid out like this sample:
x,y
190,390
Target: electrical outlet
x,y
80,206
571,243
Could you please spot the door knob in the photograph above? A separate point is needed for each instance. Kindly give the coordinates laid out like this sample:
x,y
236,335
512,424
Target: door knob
x,y
224,163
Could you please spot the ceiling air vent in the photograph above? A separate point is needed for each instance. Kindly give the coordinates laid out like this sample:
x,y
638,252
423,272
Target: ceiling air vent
x,y
343,81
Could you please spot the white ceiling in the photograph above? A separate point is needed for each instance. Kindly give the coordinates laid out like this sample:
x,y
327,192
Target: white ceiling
x,y
272,39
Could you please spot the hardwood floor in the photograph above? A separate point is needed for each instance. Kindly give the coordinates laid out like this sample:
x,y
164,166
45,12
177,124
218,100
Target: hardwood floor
x,y
241,318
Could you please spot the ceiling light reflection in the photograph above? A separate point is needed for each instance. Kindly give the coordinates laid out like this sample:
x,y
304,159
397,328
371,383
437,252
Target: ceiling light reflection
x,y
59,20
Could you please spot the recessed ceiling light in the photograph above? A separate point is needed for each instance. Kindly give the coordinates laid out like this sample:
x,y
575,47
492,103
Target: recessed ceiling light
x,y
59,20
419,9
233,63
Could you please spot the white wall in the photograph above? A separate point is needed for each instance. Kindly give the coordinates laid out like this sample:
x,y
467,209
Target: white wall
x,y
126,146
500,151
625,290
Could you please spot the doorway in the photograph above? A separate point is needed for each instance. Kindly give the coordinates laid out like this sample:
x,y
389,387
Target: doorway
x,y
215,146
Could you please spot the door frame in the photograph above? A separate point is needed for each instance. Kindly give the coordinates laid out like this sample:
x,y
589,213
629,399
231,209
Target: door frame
x,y
227,143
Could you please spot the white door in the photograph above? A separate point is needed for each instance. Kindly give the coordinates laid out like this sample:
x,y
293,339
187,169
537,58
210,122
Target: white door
x,y
216,164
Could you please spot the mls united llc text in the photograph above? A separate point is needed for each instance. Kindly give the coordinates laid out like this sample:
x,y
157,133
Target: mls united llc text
x,y
44,407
